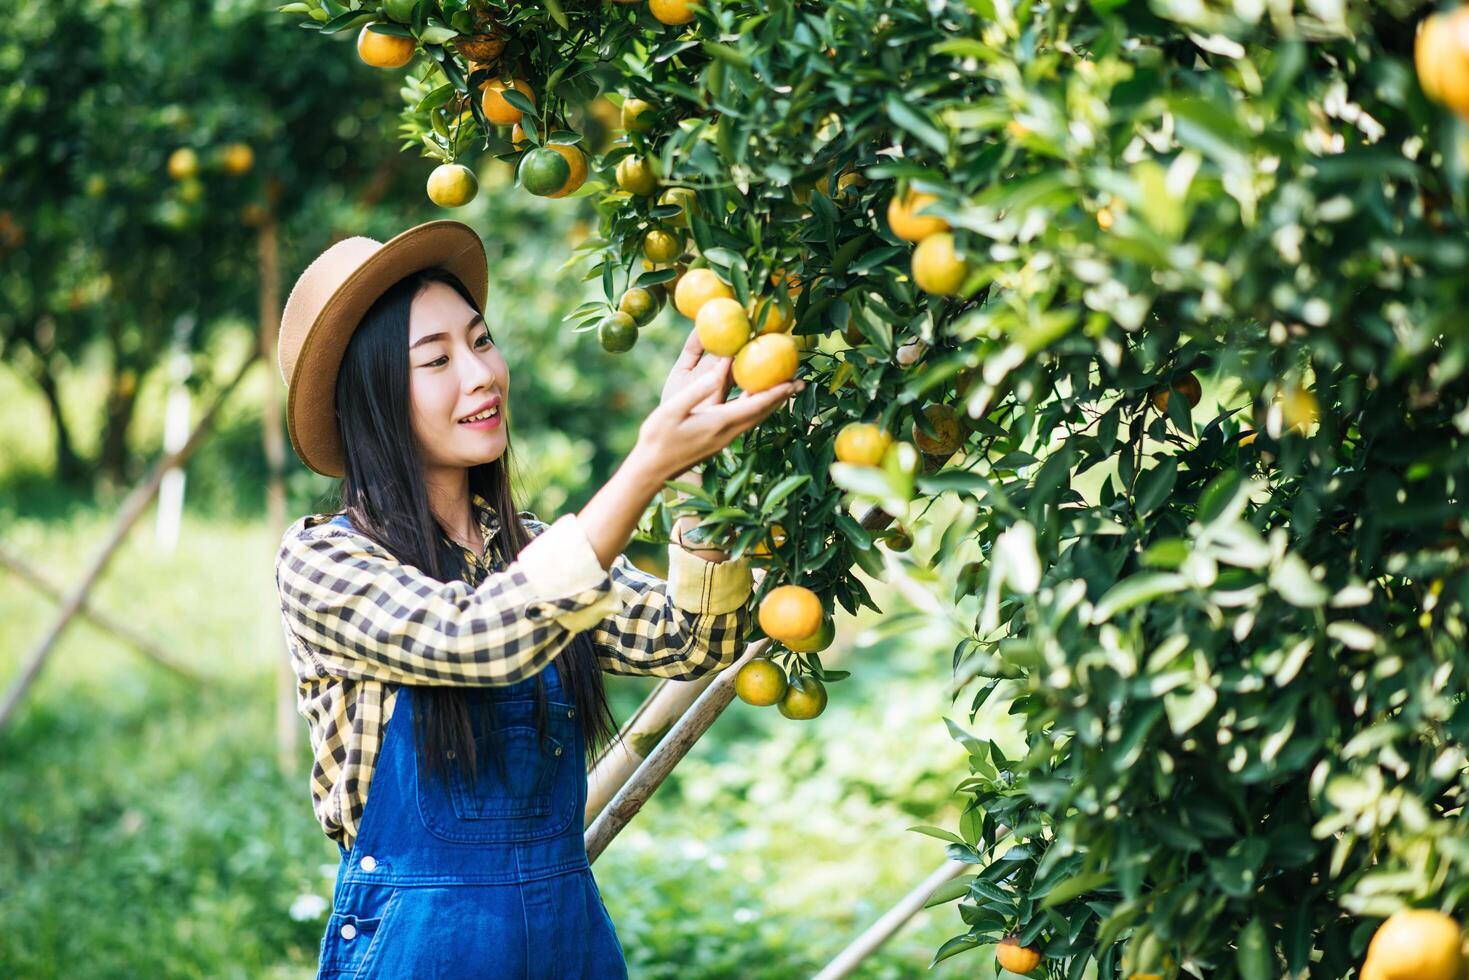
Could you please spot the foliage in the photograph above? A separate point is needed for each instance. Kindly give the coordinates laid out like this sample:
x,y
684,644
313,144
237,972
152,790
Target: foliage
x,y
1236,640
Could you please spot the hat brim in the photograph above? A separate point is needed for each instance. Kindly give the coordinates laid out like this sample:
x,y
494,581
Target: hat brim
x,y
311,413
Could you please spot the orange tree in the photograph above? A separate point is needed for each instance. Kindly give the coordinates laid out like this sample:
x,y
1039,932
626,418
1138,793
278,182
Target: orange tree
x,y
1232,626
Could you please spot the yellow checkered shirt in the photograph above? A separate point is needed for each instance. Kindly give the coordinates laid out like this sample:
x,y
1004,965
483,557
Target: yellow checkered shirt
x,y
358,623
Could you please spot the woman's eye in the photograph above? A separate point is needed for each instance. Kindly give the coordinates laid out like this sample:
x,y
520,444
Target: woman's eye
x,y
485,337
437,361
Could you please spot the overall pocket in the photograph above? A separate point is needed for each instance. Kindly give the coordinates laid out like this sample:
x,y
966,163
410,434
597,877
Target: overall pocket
x,y
355,932
533,798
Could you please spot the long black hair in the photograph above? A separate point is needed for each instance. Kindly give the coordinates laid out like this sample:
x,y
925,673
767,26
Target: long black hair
x,y
384,496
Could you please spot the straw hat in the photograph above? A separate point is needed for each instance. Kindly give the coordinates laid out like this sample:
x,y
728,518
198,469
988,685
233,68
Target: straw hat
x,y
328,302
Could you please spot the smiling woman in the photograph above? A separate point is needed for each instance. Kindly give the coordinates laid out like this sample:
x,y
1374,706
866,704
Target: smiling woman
x,y
422,617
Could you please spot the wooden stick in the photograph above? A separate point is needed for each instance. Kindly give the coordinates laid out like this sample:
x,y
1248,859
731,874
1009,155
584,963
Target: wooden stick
x,y
676,744
98,618
877,934
132,509
642,732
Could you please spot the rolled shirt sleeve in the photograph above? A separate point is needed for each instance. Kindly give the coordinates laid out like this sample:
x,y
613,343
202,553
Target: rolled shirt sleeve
x,y
365,615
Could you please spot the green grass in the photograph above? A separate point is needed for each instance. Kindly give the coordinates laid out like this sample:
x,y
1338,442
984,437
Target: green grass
x,y
147,831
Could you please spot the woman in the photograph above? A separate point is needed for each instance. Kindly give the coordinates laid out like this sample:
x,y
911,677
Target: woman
x,y
422,618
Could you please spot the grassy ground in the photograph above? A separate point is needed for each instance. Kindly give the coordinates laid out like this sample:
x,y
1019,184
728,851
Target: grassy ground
x,y
147,831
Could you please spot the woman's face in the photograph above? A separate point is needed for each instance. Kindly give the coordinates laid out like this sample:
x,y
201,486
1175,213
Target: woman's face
x,y
453,370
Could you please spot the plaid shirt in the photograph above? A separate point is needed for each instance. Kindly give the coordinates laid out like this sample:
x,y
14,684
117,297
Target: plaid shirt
x,y
358,623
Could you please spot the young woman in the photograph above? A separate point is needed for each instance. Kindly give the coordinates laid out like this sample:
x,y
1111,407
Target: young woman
x,y
449,647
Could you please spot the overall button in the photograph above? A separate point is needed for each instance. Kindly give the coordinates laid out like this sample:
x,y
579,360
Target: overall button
x,y
535,610
349,931
558,750
571,712
369,863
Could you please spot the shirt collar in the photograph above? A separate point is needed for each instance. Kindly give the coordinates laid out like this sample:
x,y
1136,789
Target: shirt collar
x,y
486,518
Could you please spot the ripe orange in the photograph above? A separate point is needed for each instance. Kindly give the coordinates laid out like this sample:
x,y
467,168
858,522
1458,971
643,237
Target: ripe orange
x,y
452,185
517,137
660,246
765,361
948,435
183,163
1015,957
777,536
862,444
496,109
383,50
760,682
635,175
773,314
937,268
671,12
684,198
805,698
238,158
1247,437
907,224
790,613
577,160
1416,944
1299,410
697,287
632,109
722,325
1441,56
1186,385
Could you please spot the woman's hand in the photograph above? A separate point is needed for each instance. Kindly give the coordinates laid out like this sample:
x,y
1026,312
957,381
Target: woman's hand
x,y
693,421
693,363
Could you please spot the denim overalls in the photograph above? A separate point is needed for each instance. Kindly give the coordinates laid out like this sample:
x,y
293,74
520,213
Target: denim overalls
x,y
489,881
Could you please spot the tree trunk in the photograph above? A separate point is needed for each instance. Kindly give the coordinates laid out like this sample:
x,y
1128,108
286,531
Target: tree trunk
x,y
122,397
69,466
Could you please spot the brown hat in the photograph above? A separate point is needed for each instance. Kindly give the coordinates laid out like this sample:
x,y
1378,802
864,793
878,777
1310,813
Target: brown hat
x,y
329,300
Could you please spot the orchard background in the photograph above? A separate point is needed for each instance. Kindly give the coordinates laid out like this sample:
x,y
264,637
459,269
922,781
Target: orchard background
x,y
1168,323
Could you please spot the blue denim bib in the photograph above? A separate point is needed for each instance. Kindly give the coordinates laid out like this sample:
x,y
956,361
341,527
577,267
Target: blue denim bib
x,y
481,879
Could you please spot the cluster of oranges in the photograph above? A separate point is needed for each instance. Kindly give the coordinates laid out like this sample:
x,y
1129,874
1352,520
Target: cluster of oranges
x,y
938,267
765,352
792,615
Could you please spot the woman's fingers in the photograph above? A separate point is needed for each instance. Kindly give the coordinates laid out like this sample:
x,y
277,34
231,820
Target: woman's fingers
x,y
750,408
699,387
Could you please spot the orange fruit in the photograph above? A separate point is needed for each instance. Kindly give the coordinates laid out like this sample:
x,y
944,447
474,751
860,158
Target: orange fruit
x,y
765,361
238,158
948,435
517,137
496,109
1186,385
723,326
617,332
632,109
907,224
773,315
683,198
671,12
937,268
805,698
777,536
1247,437
452,185
383,50
183,163
1441,57
862,444
697,287
660,246
639,304
1417,944
543,171
1015,957
577,161
1299,409
635,175
790,613
760,682
819,640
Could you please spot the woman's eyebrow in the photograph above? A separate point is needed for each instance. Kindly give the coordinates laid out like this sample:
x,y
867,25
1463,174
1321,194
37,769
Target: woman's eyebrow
x,y
443,336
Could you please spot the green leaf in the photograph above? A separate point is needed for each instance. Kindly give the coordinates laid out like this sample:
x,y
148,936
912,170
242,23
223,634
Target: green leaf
x,y
1140,588
915,122
949,891
1292,581
1075,887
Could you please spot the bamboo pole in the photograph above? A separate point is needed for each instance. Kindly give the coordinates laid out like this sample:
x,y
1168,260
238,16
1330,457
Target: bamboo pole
x,y
642,732
132,509
877,934
98,618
